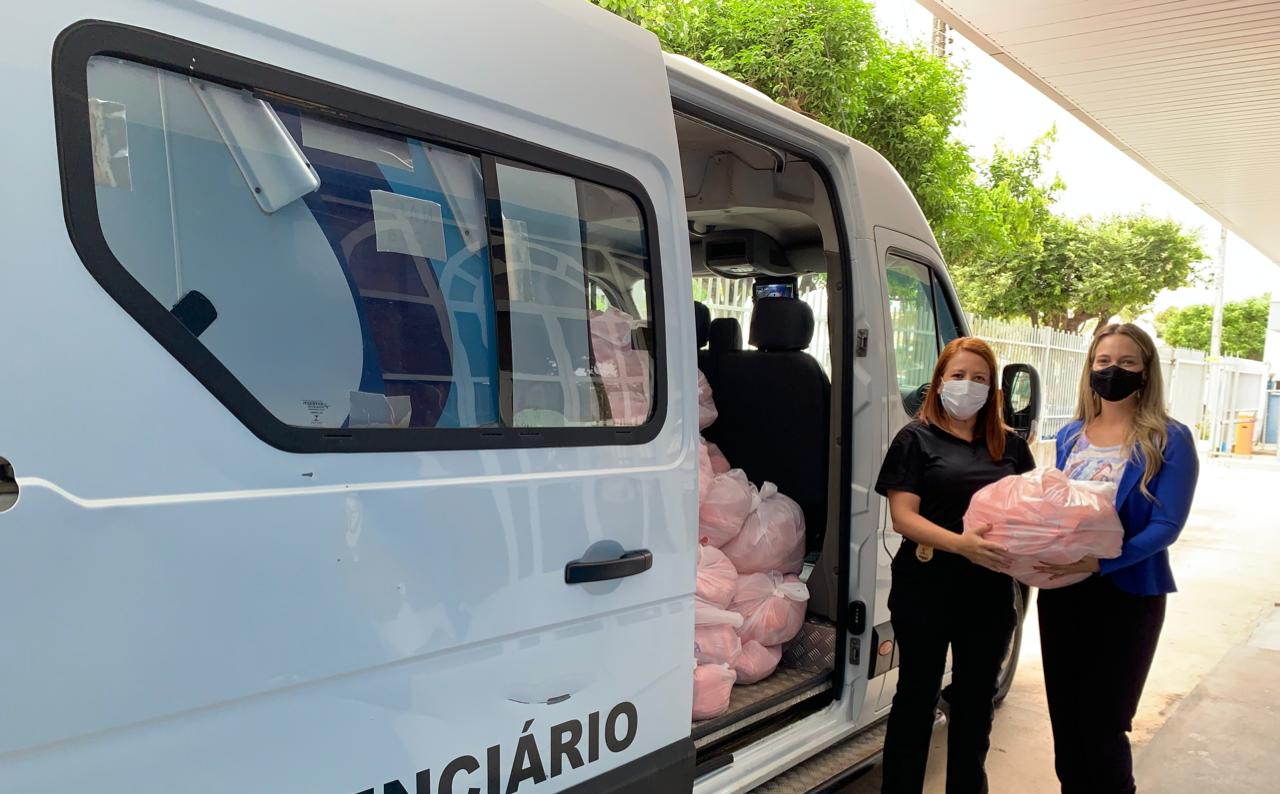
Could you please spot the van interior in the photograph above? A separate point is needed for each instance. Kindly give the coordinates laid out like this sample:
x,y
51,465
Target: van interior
x,y
766,257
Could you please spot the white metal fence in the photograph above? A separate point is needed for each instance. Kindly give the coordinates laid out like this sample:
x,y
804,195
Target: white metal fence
x,y
1057,355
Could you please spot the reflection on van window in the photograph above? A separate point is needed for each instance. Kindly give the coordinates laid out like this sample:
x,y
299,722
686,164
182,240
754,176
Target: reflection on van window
x,y
915,327
345,276
571,367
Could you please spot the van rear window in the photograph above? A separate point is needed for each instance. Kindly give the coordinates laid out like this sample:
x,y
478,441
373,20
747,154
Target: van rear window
x,y
351,278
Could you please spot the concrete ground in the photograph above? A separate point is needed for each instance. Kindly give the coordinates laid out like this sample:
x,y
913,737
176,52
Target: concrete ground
x,y
1209,719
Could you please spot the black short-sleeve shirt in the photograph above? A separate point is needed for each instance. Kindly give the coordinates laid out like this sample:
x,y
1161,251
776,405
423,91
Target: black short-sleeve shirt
x,y
946,471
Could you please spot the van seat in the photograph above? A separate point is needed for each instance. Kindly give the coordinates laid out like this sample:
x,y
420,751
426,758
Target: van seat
x,y
702,327
774,405
723,335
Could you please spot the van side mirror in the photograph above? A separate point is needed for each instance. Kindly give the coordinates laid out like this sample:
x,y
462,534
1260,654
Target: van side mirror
x,y
1021,386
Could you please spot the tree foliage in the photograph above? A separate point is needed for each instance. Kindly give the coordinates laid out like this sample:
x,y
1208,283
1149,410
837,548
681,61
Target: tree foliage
x,y
669,19
1007,208
1244,327
1009,254
1086,271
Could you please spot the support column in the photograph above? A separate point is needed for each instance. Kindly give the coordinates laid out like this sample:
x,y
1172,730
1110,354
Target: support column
x,y
1213,403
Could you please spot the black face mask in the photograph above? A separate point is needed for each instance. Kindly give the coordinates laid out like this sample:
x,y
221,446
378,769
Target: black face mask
x,y
1115,383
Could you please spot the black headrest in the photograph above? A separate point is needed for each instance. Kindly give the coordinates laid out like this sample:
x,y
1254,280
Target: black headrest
x,y
725,334
702,323
781,324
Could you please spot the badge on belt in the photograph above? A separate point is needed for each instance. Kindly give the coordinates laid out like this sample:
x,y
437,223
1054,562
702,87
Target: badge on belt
x,y
924,553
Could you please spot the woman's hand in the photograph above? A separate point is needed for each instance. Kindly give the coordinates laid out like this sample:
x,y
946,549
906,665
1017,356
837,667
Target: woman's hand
x,y
978,550
1083,565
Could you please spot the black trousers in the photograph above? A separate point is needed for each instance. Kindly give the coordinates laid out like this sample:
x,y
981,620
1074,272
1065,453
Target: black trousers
x,y
1098,642
971,611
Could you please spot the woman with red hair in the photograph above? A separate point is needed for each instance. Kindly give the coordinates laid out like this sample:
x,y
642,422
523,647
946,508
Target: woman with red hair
x,y
948,588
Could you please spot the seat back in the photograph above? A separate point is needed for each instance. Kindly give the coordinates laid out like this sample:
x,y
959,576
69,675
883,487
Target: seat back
x,y
724,334
774,405
702,326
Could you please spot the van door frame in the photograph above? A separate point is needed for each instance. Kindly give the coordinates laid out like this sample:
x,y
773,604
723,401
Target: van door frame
x,y
840,352
890,241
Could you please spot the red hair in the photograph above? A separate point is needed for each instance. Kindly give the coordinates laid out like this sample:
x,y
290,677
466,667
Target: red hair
x,y
990,420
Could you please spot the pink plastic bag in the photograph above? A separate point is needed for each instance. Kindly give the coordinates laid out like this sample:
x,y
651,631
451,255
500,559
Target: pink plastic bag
x,y
772,607
719,463
716,645
705,472
1042,516
715,638
712,687
707,412
772,536
705,614
717,578
729,500
623,370
757,662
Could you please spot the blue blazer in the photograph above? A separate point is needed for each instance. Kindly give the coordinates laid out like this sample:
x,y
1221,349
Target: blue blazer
x,y
1150,527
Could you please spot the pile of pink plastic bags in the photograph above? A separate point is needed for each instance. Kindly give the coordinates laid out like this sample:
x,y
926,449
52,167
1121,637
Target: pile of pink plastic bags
x,y
749,601
623,370
1044,517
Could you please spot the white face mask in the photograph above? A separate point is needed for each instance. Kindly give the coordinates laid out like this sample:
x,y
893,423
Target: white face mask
x,y
964,398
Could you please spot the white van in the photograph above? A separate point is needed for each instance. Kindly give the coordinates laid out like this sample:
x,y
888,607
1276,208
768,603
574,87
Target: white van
x,y
317,474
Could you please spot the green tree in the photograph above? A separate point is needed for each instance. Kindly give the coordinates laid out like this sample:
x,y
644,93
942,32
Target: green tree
x,y
1244,327
1007,208
910,102
1086,271
809,55
669,19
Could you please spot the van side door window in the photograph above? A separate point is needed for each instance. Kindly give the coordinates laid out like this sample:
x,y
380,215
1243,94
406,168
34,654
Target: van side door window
x,y
923,322
368,288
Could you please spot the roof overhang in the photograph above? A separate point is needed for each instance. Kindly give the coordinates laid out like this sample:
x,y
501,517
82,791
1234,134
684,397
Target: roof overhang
x,y
1188,88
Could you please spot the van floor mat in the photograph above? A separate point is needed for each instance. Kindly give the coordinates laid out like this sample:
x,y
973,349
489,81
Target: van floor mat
x,y
813,647
753,703
831,768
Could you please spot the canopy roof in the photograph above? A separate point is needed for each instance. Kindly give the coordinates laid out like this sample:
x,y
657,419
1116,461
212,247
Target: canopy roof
x,y
1188,88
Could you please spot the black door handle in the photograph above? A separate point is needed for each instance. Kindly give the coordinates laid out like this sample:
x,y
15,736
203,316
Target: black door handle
x,y
629,563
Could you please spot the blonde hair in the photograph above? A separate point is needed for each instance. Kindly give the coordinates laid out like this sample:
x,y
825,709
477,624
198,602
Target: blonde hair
x,y
1149,435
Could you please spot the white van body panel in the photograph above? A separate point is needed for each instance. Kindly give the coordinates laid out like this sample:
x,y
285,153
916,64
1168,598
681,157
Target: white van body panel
x,y
190,609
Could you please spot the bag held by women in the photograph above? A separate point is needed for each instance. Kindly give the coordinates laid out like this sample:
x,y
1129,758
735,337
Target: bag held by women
x,y
1044,517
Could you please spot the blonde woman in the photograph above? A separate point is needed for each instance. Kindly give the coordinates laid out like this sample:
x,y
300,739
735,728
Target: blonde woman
x,y
1098,637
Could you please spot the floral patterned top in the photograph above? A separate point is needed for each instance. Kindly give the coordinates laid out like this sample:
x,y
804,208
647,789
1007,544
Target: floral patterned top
x,y
1097,464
